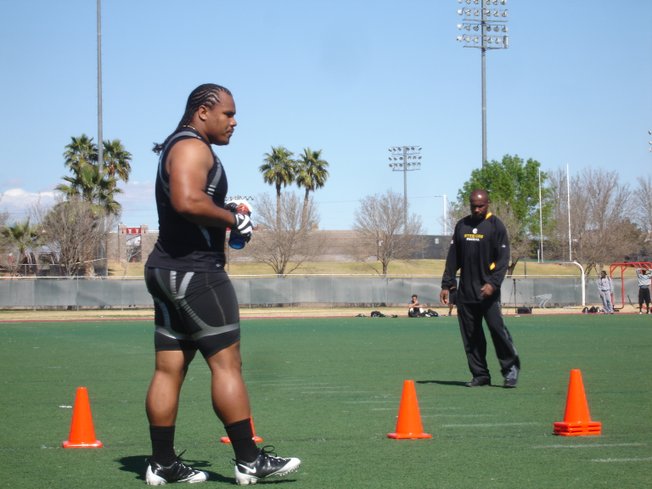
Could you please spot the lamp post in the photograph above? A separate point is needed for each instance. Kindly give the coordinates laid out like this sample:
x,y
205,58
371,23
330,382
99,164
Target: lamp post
x,y
568,208
484,27
405,159
540,221
445,213
100,144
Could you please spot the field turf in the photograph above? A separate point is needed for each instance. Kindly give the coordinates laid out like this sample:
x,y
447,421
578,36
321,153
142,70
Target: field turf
x,y
328,391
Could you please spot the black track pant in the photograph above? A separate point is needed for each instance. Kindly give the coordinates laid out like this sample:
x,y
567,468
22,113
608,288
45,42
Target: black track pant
x,y
475,344
644,297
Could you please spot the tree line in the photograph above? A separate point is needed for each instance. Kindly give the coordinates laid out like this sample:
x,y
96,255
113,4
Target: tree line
x,y
593,218
71,235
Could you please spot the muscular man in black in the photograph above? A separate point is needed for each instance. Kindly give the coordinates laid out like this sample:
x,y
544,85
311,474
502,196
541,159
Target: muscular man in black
x,y
195,305
480,250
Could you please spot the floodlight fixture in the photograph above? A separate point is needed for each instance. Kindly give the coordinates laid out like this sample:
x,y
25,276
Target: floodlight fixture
x,y
405,159
491,15
484,20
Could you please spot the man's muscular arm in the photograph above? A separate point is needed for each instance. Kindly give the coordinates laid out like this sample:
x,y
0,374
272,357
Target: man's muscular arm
x,y
188,164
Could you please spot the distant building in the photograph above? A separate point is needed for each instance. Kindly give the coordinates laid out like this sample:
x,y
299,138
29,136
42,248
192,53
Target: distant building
x,y
134,244
131,244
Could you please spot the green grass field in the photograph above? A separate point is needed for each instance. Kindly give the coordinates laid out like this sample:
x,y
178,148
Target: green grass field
x,y
328,391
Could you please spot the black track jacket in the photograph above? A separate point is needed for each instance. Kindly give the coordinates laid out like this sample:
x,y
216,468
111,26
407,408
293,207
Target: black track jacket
x,y
480,249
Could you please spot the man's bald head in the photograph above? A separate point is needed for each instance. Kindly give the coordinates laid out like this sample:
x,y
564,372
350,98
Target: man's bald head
x,y
479,194
479,201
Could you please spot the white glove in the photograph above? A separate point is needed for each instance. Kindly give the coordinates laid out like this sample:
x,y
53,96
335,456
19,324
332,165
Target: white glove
x,y
244,226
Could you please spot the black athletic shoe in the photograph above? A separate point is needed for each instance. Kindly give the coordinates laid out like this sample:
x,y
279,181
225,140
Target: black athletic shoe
x,y
511,379
478,382
265,465
158,474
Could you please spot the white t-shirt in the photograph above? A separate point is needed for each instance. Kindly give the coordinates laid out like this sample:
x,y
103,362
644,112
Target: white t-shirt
x,y
643,277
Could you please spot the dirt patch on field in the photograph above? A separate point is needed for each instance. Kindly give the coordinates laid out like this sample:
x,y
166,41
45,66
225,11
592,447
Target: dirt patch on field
x,y
272,312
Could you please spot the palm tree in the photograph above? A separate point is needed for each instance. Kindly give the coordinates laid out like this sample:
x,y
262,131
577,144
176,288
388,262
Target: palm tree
x,y
81,152
95,183
278,170
311,174
117,160
24,238
93,187
91,183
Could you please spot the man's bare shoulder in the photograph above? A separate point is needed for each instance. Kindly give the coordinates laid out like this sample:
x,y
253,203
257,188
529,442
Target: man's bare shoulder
x,y
190,153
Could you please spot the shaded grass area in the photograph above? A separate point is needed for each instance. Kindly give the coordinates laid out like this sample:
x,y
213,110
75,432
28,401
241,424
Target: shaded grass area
x,y
328,391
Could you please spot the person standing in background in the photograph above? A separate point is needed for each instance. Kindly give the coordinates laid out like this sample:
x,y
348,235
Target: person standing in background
x,y
643,277
605,287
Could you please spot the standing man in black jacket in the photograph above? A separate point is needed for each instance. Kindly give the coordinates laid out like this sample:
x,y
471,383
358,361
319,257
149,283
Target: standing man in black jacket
x,y
480,250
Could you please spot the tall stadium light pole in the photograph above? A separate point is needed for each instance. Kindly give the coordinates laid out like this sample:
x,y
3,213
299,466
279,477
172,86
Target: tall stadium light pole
x,y
405,159
568,208
540,221
100,143
445,212
484,27
100,137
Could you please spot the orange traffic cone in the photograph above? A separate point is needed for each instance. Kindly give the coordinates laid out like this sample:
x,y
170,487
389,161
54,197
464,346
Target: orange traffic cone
x,y
577,420
82,433
256,438
408,425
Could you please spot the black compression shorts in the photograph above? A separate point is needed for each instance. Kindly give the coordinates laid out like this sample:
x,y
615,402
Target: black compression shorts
x,y
193,310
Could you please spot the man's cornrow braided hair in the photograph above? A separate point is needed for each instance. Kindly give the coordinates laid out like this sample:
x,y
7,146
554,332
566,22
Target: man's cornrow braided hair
x,y
207,94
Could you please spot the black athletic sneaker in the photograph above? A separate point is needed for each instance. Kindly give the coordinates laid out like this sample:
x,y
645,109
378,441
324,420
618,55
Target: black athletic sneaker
x,y
158,474
478,382
265,465
511,379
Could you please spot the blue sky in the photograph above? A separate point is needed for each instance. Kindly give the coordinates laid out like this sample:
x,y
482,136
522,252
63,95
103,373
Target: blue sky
x,y
351,78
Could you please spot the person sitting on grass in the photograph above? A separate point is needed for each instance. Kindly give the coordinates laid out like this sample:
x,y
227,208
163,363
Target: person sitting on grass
x,y
415,310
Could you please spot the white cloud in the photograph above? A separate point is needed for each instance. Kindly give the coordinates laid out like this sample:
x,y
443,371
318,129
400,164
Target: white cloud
x,y
21,204
137,200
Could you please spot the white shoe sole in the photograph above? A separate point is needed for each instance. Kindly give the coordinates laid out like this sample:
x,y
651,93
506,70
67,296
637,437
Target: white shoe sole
x,y
246,479
155,480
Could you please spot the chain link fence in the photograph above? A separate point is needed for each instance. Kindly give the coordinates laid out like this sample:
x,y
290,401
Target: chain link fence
x,y
299,291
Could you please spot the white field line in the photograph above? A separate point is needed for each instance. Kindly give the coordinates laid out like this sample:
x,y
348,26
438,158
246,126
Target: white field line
x,y
454,415
603,445
336,392
291,383
596,445
617,460
487,425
